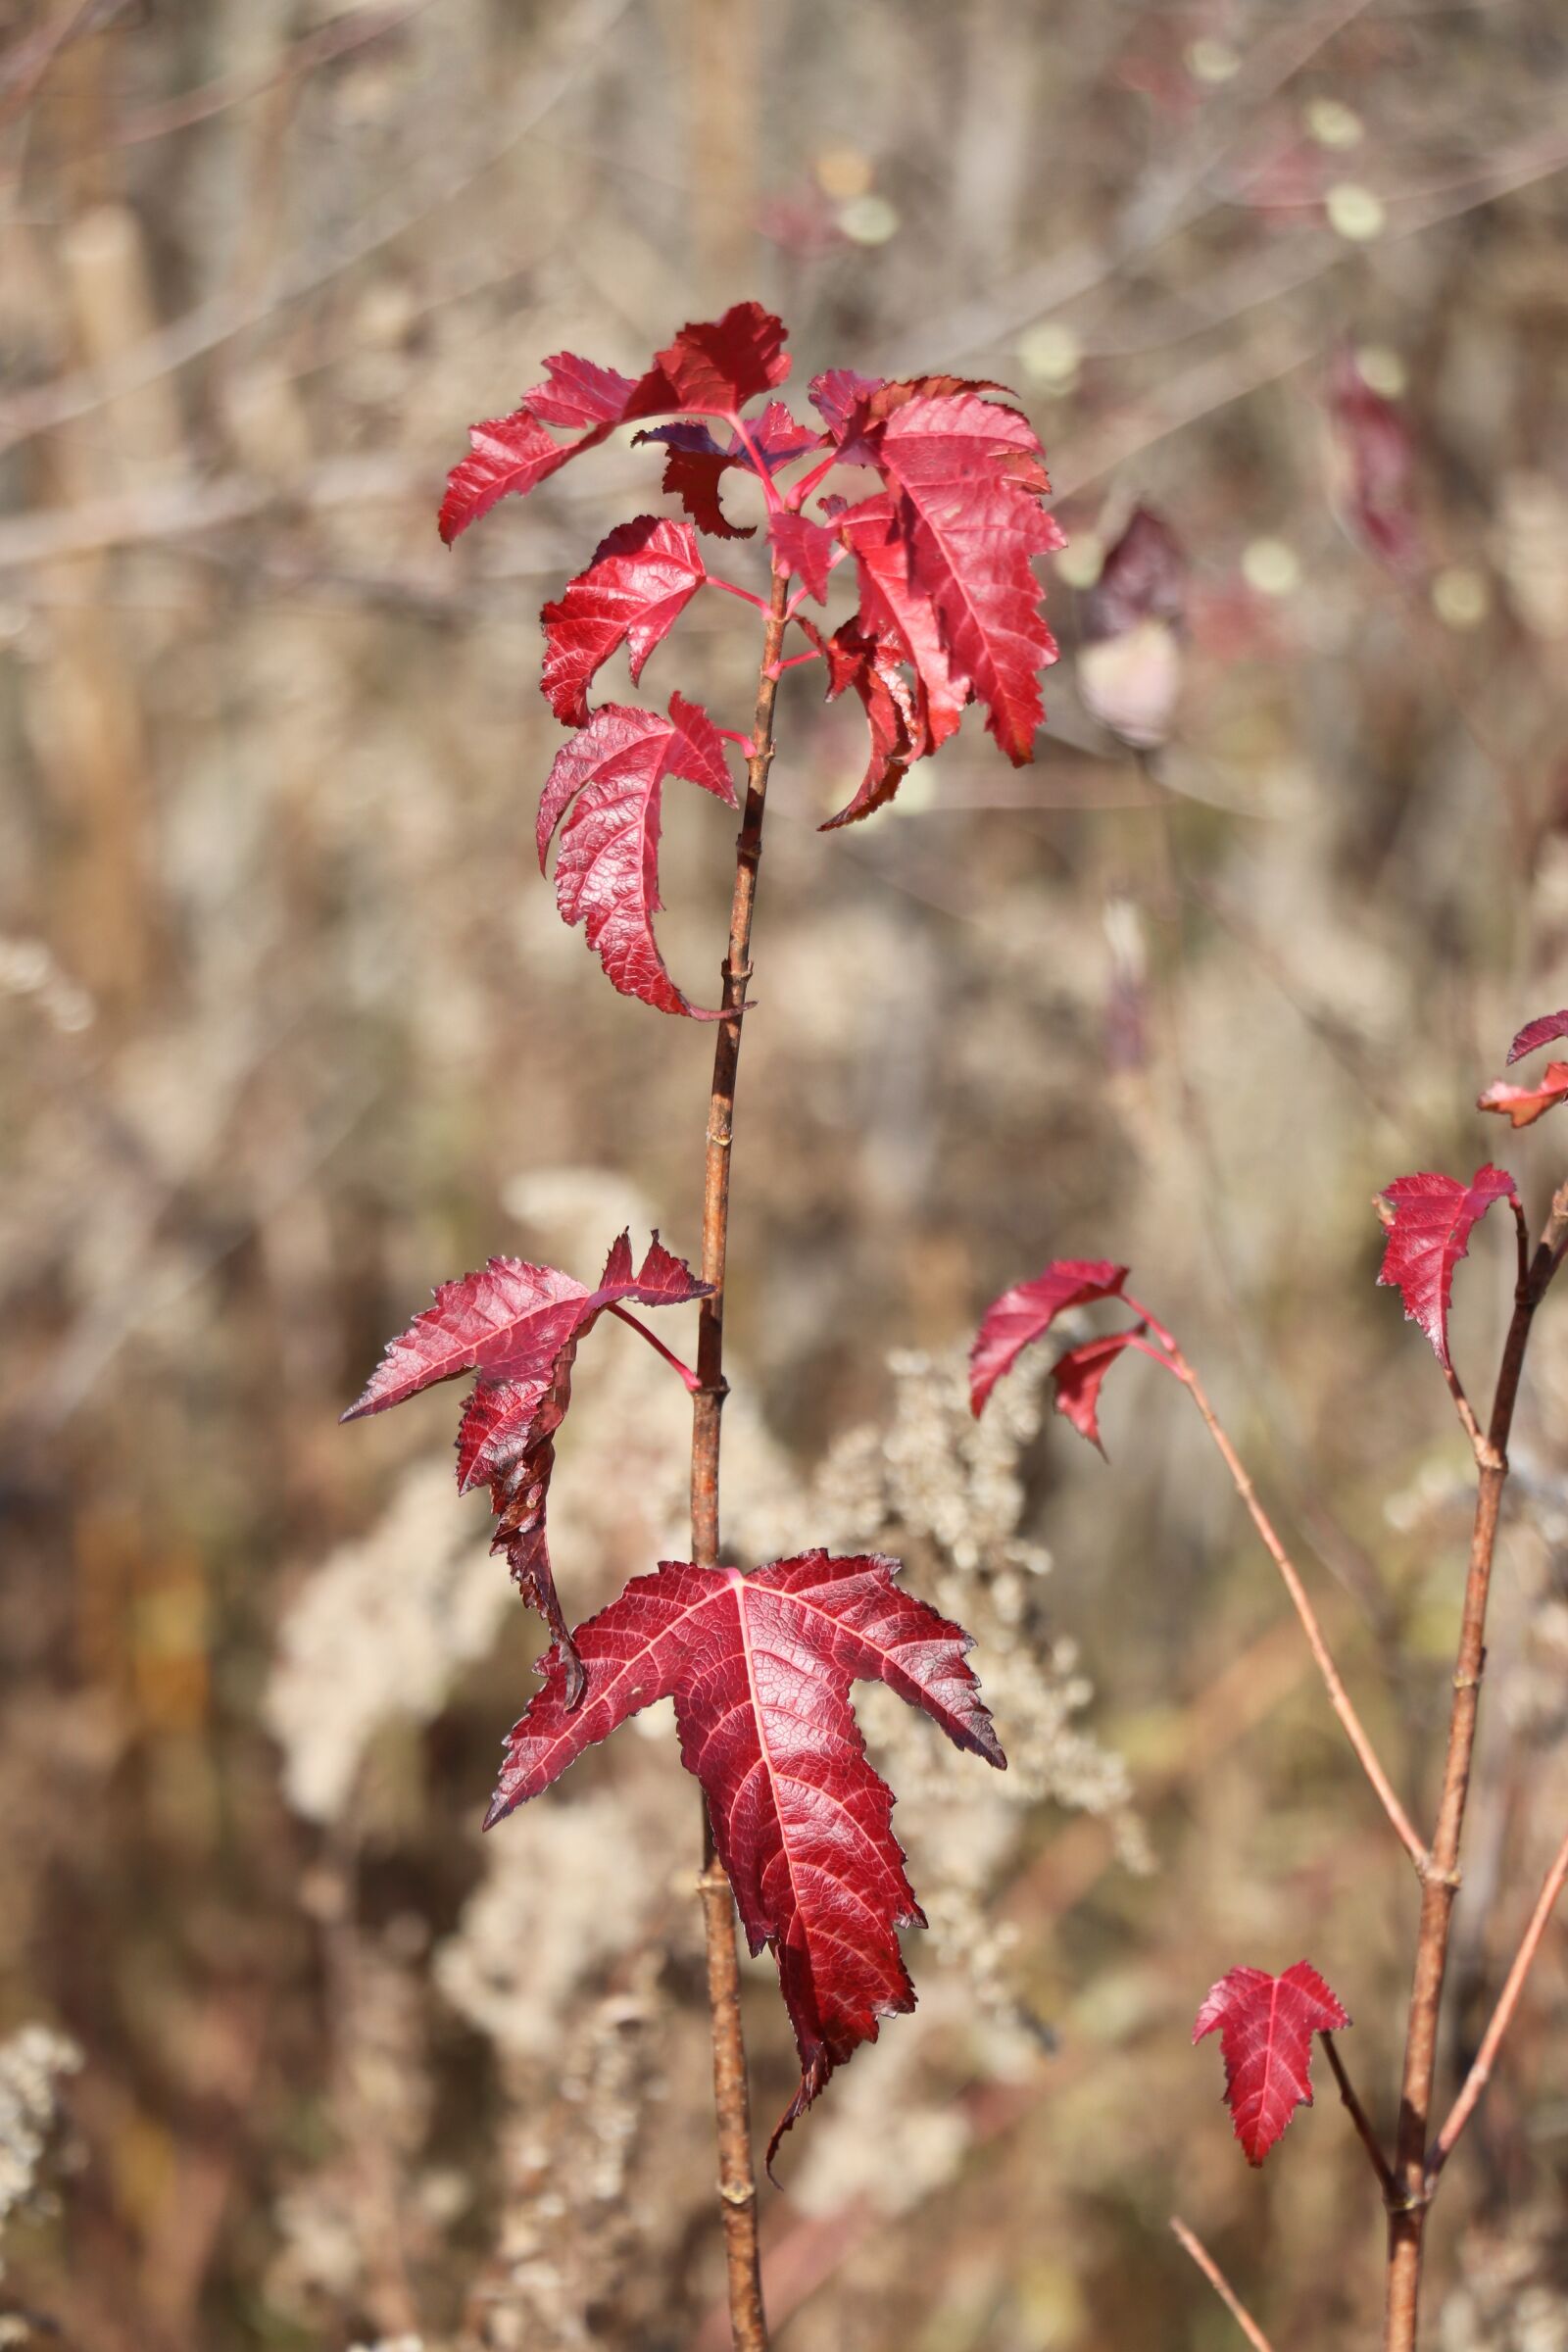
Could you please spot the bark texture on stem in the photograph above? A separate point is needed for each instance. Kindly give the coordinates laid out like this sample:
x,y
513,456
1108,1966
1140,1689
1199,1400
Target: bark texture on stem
x,y
737,2173
1440,1878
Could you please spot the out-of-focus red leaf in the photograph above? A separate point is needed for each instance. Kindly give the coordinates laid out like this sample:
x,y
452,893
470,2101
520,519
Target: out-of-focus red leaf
x,y
968,473
1538,1032
1265,2024
1430,1220
759,1668
1144,577
1524,1104
1375,467
1080,1375
517,1326
1028,1310
642,578
804,547
610,778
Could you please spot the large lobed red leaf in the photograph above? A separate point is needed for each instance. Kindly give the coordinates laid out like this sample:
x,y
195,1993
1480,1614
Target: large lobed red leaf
x,y
970,474
1429,1221
517,1326
605,792
1267,2026
759,1668
1027,1311
641,580
713,368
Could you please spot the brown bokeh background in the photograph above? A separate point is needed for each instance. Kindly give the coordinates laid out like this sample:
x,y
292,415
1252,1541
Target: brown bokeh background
x,y
289,1030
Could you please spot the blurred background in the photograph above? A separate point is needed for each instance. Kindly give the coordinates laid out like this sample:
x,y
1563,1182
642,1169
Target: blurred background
x,y
290,1029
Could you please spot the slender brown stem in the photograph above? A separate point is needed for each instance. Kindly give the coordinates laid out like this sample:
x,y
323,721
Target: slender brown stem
x,y
1441,1877
737,2174
1338,1698
1221,2285
1475,2083
1358,2116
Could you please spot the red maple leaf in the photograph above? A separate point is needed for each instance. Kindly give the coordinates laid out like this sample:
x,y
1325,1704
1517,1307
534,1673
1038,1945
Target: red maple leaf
x,y
1267,2026
517,1326
610,778
1538,1032
1430,1220
1524,1104
641,580
1028,1310
713,368
759,1668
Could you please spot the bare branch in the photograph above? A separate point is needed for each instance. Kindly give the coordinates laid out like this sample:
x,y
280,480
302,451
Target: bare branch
x,y
1358,2116
1475,2081
1222,2286
1338,1698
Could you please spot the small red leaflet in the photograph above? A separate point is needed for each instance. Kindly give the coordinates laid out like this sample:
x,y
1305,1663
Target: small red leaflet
x,y
518,1327
806,546
1079,1376
1538,1032
1027,1311
1429,1221
641,580
1267,2026
610,778
759,1668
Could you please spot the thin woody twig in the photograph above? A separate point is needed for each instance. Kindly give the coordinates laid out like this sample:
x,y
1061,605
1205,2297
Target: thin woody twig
x,y
1358,2116
1467,1412
1475,2083
1338,1698
1222,2286
737,2182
